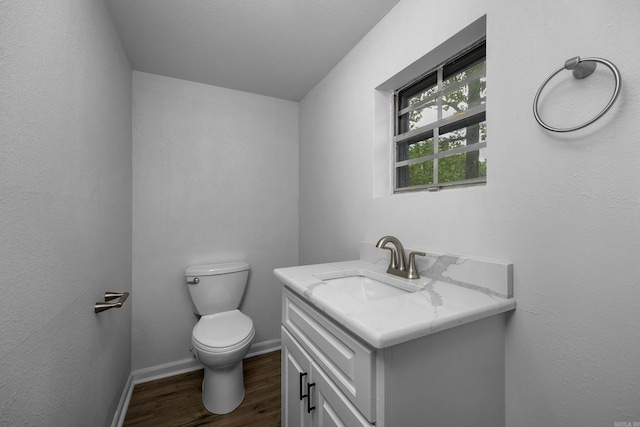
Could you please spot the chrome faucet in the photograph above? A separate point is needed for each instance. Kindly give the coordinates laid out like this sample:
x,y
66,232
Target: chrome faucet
x,y
398,265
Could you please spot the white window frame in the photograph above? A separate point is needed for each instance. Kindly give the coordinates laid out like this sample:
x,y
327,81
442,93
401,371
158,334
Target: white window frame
x,y
404,136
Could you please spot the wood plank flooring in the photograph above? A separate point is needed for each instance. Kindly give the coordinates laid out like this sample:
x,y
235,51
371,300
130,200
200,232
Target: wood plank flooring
x,y
177,401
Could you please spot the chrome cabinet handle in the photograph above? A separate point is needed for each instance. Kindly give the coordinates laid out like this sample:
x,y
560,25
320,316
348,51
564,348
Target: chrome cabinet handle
x,y
108,296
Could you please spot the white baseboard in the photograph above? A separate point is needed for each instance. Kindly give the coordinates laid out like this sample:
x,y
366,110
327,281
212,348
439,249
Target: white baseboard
x,y
174,368
166,370
121,410
264,347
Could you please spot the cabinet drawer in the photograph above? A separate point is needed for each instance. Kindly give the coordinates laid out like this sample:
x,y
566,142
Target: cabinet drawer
x,y
348,363
332,409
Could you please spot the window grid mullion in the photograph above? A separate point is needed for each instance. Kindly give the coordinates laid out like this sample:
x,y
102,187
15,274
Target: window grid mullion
x,y
443,154
478,75
463,115
436,131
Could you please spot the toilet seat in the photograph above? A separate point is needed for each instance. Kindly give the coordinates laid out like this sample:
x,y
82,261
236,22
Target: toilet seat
x,y
223,332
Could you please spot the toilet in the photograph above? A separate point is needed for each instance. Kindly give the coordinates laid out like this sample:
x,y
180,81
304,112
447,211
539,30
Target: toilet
x,y
223,335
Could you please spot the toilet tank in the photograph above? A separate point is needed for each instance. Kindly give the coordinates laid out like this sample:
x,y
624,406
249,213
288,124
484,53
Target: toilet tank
x,y
215,288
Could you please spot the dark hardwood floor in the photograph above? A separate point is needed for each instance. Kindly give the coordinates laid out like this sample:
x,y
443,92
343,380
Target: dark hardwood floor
x,y
177,401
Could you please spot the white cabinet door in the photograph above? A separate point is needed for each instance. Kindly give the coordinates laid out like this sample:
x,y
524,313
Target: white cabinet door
x,y
296,373
347,362
332,408
309,397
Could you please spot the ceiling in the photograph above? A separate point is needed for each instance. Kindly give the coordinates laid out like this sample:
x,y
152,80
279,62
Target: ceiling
x,y
278,48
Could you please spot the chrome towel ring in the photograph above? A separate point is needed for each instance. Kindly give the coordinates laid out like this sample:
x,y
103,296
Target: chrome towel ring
x,y
581,68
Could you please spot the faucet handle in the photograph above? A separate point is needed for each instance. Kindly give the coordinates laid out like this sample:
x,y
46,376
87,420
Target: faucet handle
x,y
412,273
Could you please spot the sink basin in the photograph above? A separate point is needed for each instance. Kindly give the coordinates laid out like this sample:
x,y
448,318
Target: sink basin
x,y
363,287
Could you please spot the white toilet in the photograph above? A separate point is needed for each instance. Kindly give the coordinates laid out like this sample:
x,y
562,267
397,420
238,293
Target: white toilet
x,y
223,335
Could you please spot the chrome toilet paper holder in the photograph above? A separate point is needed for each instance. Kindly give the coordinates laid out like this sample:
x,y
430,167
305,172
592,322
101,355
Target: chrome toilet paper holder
x,y
109,296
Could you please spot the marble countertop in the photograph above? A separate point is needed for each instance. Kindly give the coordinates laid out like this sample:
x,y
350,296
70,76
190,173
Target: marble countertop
x,y
433,303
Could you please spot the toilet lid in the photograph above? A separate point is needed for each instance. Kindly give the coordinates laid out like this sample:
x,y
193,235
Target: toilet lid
x,y
222,329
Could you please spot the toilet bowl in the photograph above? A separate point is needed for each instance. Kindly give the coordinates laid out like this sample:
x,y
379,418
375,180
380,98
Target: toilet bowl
x,y
222,337
220,342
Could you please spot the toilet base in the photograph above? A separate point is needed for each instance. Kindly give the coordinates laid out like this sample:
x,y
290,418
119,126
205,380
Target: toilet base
x,y
223,388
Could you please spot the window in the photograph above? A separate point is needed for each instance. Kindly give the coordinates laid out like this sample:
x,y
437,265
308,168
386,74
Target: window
x,y
440,126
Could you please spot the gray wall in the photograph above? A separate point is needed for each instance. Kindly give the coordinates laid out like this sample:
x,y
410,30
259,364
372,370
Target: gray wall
x,y
565,209
65,213
215,178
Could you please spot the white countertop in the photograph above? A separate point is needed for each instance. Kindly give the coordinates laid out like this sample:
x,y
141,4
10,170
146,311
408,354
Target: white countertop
x,y
432,304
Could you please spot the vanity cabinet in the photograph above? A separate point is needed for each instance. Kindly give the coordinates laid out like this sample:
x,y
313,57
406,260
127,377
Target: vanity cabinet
x,y
331,377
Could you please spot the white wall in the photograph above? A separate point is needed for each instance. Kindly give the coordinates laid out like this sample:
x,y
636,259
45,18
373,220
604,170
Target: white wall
x,y
215,178
565,209
65,213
